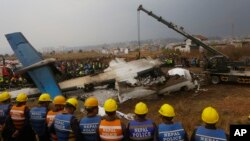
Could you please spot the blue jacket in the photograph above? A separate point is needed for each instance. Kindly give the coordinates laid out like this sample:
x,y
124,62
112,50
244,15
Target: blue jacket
x,y
141,130
203,133
172,132
63,128
88,127
4,109
38,120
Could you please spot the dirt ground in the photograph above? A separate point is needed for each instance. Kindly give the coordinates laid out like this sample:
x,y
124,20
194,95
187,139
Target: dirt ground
x,y
231,100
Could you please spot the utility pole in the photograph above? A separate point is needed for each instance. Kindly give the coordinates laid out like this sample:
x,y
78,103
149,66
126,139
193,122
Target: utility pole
x,y
139,42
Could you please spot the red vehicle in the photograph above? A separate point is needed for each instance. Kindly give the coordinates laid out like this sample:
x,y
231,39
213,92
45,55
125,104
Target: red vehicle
x,y
5,76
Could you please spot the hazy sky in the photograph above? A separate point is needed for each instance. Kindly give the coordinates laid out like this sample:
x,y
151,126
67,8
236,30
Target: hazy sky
x,y
55,23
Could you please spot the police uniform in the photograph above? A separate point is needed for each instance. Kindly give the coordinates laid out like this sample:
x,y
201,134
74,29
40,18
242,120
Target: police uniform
x,y
66,127
202,133
38,122
88,126
141,130
4,114
171,132
111,130
51,116
49,120
19,120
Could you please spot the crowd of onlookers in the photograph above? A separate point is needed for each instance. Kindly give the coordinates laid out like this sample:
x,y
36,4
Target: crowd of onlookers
x,y
76,68
68,69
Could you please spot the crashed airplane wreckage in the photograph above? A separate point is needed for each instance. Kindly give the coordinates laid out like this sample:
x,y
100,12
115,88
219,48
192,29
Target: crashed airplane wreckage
x,y
134,79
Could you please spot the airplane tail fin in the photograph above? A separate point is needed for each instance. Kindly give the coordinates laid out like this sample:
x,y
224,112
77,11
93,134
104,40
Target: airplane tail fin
x,y
28,56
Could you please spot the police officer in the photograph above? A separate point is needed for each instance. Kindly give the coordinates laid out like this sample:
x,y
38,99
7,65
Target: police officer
x,y
168,130
19,120
59,103
209,132
38,117
65,125
5,107
90,123
141,128
111,127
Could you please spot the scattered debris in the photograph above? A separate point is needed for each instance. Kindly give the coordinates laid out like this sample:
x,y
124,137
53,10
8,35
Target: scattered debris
x,y
133,79
120,114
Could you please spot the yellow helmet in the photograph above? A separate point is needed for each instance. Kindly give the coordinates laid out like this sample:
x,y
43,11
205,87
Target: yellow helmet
x,y
4,96
73,102
59,100
141,108
44,97
22,97
167,110
210,115
110,105
91,102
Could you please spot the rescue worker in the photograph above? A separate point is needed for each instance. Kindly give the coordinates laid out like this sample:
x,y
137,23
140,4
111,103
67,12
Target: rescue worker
x,y
81,73
99,65
59,103
111,121
93,67
1,79
58,107
168,130
89,124
65,125
38,117
5,106
19,120
209,132
141,128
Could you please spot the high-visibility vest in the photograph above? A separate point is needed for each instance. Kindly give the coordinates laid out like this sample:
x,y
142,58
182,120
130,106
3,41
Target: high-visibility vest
x,y
171,132
141,130
4,109
88,127
51,116
110,130
63,128
49,119
1,79
38,119
81,73
204,134
17,116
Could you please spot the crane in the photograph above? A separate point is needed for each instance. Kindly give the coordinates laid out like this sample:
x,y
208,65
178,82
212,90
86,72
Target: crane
x,y
219,66
181,31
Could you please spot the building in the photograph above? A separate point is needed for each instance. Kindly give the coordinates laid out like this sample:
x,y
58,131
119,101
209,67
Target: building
x,y
188,46
104,51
